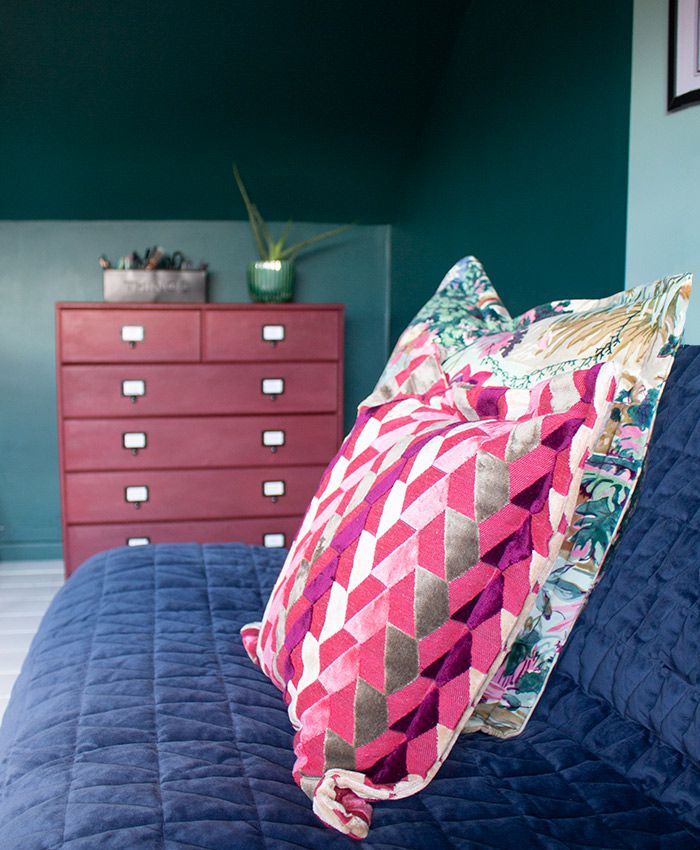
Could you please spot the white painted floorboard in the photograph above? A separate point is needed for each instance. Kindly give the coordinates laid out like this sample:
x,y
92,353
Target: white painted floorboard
x,y
26,589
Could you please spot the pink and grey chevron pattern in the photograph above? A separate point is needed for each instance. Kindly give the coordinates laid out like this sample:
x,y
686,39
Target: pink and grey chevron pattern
x,y
429,534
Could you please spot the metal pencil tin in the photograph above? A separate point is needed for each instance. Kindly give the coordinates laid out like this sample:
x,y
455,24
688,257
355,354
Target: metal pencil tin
x,y
161,286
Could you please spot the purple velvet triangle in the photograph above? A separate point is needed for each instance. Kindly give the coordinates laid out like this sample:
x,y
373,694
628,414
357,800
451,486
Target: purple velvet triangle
x,y
561,437
421,718
516,547
391,768
489,602
534,497
461,615
295,636
386,483
349,533
322,582
487,402
431,671
458,660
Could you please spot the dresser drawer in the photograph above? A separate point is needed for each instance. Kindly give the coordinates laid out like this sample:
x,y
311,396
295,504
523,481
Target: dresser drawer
x,y
204,441
86,540
146,495
129,336
100,391
271,334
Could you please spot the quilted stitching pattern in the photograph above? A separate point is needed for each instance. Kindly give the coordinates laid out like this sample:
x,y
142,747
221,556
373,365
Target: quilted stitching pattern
x,y
637,646
606,762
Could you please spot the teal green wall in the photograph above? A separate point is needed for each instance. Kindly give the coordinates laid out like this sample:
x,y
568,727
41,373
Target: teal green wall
x,y
664,172
120,125
47,261
525,160
494,129
133,109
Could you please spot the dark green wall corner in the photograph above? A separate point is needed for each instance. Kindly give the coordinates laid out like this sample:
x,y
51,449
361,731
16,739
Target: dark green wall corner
x,y
525,160
136,110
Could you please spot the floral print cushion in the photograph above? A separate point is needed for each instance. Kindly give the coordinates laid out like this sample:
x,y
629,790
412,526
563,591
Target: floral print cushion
x,y
466,328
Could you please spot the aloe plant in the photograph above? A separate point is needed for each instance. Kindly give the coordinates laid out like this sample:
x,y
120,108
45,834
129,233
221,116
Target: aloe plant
x,y
269,248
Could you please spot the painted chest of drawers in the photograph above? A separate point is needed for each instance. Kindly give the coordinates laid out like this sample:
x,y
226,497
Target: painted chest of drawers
x,y
203,423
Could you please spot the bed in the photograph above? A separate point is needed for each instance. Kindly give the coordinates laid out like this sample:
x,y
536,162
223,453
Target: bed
x,y
138,722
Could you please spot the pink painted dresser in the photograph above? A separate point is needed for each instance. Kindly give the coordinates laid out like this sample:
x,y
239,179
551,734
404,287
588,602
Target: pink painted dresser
x,y
202,423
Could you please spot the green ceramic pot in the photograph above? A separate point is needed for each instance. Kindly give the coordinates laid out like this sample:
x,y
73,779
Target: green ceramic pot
x,y
271,280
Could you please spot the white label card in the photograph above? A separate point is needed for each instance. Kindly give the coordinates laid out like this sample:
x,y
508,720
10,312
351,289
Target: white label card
x,y
133,388
273,386
273,488
138,541
136,494
273,333
274,541
132,333
134,440
273,438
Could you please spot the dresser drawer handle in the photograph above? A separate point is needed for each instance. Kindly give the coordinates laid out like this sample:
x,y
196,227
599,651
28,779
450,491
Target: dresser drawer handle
x,y
138,541
273,387
133,389
132,334
274,541
273,334
134,440
273,439
273,489
136,495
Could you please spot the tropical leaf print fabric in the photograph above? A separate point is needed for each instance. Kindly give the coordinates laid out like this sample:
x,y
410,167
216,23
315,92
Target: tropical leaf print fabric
x,y
416,561
466,328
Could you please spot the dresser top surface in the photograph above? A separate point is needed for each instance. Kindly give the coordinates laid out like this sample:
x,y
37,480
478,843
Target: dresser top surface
x,y
230,305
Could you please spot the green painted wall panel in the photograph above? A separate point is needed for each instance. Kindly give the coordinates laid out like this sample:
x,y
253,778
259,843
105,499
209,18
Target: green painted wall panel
x,y
525,161
135,109
47,261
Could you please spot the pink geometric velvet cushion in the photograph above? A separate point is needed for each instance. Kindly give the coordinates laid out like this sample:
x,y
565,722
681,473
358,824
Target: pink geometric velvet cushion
x,y
429,534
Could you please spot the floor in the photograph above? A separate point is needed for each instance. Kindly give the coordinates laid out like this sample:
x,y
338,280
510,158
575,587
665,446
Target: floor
x,y
26,589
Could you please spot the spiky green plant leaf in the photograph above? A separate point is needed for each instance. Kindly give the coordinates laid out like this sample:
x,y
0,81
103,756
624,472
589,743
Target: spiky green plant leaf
x,y
267,246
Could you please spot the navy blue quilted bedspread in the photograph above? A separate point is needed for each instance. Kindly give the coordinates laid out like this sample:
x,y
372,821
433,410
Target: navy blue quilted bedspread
x,y
139,724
